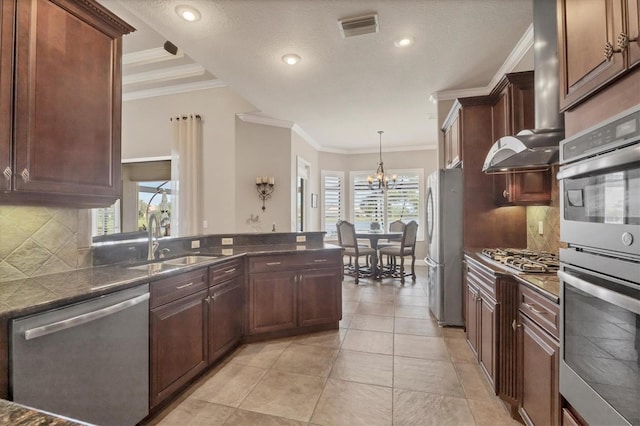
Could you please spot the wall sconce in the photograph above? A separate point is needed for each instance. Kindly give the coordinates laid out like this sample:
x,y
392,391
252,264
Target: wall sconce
x,y
264,186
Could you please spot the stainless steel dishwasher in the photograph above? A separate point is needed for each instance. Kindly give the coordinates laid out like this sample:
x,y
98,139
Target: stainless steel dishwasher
x,y
88,361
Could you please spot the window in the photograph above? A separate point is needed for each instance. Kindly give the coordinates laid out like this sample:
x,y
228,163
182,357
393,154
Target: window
x,y
332,202
402,202
106,220
150,197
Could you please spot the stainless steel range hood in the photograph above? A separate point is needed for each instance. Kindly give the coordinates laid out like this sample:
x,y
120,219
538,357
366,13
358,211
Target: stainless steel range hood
x,y
536,149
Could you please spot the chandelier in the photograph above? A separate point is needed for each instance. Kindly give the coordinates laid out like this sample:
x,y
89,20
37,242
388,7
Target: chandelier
x,y
381,180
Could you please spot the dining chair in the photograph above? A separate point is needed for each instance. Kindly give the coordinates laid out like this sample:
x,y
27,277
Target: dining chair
x,y
395,226
347,240
406,248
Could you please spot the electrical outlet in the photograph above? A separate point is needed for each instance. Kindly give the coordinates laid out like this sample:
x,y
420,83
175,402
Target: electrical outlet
x,y
540,228
301,247
195,244
227,241
205,224
227,252
301,238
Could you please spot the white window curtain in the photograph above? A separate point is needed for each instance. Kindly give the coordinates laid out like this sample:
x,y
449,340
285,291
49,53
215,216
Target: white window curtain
x,y
186,175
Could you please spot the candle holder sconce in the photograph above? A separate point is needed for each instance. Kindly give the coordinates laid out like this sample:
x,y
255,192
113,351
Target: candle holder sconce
x,y
264,186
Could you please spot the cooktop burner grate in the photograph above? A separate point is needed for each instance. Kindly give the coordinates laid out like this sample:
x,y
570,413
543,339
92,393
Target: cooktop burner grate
x,y
524,260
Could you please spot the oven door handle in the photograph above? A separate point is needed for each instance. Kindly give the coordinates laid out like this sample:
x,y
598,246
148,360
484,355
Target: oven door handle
x,y
618,299
620,157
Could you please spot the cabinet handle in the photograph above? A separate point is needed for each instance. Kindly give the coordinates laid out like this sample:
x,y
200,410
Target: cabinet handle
x,y
319,260
185,286
531,307
7,173
25,175
609,50
208,300
229,271
273,263
505,193
623,41
515,325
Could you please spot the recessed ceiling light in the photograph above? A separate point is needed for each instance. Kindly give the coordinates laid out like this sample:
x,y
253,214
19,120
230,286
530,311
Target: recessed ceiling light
x,y
188,13
404,42
291,59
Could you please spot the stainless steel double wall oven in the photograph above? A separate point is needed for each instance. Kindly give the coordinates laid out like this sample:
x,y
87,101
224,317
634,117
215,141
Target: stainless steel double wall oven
x,y
600,270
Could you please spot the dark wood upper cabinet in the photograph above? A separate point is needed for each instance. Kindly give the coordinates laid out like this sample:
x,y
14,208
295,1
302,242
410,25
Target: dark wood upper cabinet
x,y
633,31
63,147
597,43
452,143
512,111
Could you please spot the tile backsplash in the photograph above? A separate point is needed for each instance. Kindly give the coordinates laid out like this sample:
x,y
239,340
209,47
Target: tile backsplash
x,y
38,241
550,218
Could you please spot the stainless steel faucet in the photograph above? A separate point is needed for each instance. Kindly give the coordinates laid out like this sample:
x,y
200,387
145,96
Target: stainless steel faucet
x,y
153,228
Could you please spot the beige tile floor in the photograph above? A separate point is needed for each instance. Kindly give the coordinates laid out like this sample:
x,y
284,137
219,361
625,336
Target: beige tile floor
x,y
388,364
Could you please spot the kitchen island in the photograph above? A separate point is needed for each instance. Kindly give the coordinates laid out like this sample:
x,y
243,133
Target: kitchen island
x,y
307,268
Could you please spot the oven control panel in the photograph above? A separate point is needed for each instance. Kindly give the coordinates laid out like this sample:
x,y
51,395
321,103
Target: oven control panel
x,y
614,133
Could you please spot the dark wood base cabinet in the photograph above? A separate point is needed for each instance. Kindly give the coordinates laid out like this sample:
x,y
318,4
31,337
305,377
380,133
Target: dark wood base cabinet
x,y
538,359
178,332
226,307
291,293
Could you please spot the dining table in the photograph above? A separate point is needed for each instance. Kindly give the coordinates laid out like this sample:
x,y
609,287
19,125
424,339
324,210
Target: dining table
x,y
374,237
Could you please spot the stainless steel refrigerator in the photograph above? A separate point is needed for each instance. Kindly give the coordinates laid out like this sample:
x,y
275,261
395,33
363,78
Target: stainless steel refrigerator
x,y
444,235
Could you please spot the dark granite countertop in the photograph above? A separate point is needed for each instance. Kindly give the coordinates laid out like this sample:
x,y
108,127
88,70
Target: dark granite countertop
x,y
36,294
19,415
547,285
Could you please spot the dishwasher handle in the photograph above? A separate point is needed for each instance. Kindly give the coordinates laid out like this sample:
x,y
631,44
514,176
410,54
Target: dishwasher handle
x,y
54,327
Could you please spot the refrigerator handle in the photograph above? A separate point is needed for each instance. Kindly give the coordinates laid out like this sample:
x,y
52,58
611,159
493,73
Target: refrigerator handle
x,y
430,208
430,262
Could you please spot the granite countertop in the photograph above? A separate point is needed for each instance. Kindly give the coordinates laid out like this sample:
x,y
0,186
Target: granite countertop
x,y
547,285
19,415
36,294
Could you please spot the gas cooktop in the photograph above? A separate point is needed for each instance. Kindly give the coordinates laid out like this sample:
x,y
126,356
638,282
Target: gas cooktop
x,y
524,260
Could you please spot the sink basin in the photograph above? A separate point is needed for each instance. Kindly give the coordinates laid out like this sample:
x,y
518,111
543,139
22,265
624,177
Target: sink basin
x,y
162,265
187,260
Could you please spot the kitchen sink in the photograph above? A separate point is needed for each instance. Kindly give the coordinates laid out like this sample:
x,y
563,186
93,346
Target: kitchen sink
x,y
187,260
166,265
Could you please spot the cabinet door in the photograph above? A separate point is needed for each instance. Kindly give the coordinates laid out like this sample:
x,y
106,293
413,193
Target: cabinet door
x,y
633,31
7,10
178,344
586,30
67,103
487,338
539,394
447,148
225,317
272,302
530,188
473,300
319,297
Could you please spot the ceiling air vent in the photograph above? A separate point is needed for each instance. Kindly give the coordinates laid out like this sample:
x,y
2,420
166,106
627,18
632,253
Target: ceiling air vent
x,y
351,27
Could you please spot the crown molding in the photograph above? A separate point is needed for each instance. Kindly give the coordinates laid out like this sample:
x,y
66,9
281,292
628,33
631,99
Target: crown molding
x,y
171,90
165,74
149,56
267,121
519,51
307,137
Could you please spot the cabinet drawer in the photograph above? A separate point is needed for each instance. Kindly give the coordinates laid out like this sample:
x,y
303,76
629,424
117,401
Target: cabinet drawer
x,y
293,261
544,312
226,271
173,288
482,279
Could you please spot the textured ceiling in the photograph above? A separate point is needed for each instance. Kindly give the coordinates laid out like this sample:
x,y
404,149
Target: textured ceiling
x,y
343,90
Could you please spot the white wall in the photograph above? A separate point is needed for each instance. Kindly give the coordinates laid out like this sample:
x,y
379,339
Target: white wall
x,y
263,151
300,148
146,132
